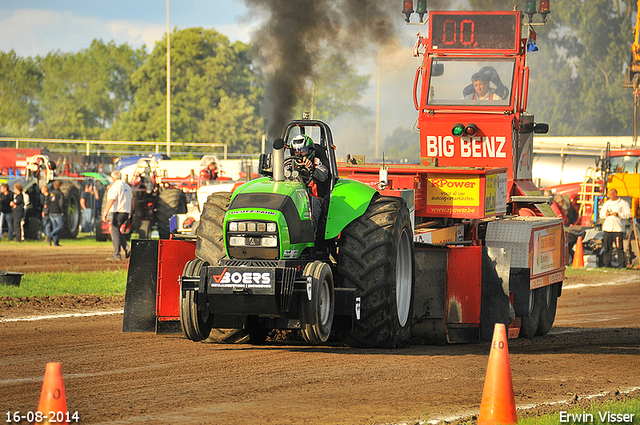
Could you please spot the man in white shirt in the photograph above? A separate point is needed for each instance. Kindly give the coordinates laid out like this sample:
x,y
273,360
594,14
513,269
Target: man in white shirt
x,y
615,212
119,201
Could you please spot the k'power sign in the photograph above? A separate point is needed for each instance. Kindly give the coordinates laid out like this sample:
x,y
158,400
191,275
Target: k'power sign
x,y
454,195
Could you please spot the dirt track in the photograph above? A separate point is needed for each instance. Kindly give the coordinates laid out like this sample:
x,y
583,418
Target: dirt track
x,y
33,257
113,377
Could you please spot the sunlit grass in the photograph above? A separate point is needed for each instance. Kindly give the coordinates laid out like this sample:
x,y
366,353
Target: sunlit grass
x,y
597,411
103,283
597,271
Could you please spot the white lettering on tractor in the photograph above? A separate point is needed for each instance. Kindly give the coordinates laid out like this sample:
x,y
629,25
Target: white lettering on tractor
x,y
246,278
470,147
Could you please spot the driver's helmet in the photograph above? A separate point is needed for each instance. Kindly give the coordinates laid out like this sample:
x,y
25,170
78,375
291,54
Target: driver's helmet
x,y
302,145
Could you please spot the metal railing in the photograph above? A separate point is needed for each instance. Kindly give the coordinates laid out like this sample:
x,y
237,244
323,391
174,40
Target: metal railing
x,y
93,144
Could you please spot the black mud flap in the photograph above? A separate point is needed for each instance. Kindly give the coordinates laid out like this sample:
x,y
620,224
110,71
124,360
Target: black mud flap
x,y
495,290
140,295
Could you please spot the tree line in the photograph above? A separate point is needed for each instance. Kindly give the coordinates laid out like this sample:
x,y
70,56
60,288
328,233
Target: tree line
x,y
115,92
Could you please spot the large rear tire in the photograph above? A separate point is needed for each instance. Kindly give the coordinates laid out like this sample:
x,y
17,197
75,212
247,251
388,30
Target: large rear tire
x,y
195,325
376,257
210,240
71,210
170,201
144,230
33,229
316,315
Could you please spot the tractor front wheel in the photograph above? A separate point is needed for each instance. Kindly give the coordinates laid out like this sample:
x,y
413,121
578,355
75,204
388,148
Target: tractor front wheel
x,y
318,303
195,325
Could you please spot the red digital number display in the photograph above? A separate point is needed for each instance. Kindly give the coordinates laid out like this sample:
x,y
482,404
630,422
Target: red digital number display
x,y
474,31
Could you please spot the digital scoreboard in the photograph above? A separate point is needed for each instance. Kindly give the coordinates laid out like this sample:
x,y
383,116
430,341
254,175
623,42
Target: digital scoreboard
x,y
465,31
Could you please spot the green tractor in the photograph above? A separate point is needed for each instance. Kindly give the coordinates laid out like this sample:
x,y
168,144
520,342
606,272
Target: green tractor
x,y
261,265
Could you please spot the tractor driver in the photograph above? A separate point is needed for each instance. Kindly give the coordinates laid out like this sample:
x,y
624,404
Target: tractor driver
x,y
302,147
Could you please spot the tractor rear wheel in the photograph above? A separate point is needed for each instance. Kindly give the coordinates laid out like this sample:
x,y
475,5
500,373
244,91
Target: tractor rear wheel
x,y
144,230
170,201
316,315
71,210
376,257
195,325
210,240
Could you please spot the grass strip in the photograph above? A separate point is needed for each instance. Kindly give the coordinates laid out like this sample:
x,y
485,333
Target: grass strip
x,y
600,271
104,283
611,412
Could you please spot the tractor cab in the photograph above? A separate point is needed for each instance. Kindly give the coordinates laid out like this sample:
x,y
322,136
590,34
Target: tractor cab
x,y
323,149
624,161
270,164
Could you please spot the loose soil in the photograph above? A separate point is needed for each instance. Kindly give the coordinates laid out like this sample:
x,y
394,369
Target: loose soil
x,y
115,377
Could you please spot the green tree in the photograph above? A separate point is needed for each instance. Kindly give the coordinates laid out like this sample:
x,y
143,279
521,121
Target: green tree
x,y
19,87
577,75
83,93
214,93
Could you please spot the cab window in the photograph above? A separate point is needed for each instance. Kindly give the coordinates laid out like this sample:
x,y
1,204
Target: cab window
x,y
471,82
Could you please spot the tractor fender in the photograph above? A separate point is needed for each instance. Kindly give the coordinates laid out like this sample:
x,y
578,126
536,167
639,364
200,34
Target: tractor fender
x,y
349,200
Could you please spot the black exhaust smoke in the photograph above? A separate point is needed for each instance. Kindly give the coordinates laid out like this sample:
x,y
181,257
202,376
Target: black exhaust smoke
x,y
297,33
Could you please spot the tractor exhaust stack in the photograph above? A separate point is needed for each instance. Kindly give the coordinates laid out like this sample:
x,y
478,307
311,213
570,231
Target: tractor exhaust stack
x,y
278,160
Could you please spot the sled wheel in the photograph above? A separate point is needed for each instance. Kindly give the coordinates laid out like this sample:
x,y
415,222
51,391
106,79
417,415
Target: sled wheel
x,y
548,309
529,324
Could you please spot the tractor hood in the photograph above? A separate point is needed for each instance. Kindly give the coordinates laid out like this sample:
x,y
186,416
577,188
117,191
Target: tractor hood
x,y
283,202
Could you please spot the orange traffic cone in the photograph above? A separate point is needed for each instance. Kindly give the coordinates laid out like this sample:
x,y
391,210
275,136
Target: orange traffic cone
x,y
578,256
53,397
498,402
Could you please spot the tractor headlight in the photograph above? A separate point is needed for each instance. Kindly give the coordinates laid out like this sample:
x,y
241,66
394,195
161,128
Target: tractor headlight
x,y
270,241
253,226
256,239
236,241
253,233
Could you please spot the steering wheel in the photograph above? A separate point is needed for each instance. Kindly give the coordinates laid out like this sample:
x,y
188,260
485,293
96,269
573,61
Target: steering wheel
x,y
298,169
